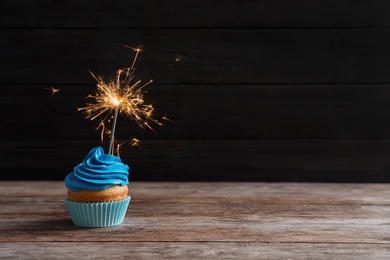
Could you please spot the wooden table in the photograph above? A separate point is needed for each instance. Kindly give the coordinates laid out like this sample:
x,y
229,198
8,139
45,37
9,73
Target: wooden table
x,y
203,220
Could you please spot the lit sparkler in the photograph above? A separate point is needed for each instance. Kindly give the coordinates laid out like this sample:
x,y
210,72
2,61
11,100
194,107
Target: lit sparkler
x,y
120,96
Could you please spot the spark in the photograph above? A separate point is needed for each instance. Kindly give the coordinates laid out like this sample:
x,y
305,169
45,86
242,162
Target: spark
x,y
166,118
118,146
135,142
103,127
178,58
54,90
119,96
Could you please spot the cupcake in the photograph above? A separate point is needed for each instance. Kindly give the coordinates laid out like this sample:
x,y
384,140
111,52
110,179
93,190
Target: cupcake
x,y
97,190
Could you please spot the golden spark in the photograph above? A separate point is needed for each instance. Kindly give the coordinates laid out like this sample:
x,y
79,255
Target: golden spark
x,y
166,118
118,146
177,58
54,90
120,96
135,142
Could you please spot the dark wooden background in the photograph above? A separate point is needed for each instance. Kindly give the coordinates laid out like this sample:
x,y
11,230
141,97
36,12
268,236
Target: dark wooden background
x,y
263,90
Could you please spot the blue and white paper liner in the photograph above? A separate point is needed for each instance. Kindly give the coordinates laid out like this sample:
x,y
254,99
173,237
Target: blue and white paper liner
x,y
100,214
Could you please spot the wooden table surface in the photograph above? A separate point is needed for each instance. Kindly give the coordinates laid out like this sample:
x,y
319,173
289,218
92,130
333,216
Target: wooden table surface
x,y
197,220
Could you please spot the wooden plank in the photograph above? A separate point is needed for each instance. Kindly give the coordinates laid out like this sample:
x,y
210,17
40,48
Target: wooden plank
x,y
193,250
193,220
207,56
218,112
210,160
222,218
200,13
41,192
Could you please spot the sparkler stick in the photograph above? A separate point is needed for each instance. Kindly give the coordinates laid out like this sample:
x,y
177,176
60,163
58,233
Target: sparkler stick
x,y
111,144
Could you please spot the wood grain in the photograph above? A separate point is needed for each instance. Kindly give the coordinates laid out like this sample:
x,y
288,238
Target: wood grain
x,y
193,250
200,219
199,14
218,112
257,90
214,56
210,160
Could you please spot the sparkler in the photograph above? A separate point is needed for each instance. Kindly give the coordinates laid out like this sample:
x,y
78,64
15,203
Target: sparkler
x,y
120,96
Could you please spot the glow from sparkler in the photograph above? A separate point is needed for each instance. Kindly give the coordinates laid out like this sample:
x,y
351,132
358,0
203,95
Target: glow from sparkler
x,y
54,90
135,142
178,58
119,96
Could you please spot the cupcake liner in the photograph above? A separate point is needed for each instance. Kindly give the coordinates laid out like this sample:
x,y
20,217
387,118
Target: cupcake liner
x,y
101,214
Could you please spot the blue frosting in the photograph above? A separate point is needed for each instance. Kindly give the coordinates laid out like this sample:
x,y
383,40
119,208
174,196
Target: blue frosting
x,y
98,171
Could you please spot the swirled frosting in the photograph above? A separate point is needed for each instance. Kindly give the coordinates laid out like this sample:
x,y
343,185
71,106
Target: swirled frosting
x,y
97,171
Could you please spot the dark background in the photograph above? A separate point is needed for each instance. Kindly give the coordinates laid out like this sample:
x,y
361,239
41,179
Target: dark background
x,y
275,90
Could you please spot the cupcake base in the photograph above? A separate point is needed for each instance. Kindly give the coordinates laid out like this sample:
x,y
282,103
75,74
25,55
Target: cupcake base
x,y
100,214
